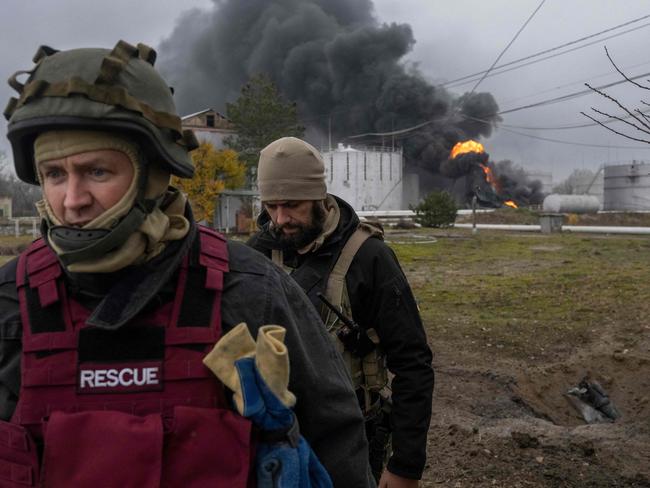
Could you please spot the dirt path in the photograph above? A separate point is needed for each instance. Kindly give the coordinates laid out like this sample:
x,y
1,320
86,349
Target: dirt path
x,y
510,426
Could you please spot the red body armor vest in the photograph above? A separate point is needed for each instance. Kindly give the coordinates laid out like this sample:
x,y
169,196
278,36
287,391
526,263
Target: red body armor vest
x,y
132,407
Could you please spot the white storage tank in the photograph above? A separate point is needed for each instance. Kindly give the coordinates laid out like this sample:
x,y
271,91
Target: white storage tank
x,y
556,203
366,178
627,187
589,183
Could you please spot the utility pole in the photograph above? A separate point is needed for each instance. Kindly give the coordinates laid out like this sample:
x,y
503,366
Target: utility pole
x,y
329,131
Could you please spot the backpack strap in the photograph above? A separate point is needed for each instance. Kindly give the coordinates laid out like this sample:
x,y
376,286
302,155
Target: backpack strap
x,y
277,257
336,281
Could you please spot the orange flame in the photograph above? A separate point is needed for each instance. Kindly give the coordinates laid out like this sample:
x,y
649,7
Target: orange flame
x,y
477,147
489,177
465,147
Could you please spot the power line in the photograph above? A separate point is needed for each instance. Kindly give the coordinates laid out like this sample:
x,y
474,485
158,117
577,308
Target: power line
x,y
550,56
457,108
546,139
508,46
454,82
572,143
579,82
569,96
571,126
396,132
609,120
563,98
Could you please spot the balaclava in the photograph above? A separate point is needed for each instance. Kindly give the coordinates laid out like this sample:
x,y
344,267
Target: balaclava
x,y
163,220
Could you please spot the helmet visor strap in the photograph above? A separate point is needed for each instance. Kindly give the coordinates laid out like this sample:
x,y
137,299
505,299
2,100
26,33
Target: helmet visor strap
x,y
85,244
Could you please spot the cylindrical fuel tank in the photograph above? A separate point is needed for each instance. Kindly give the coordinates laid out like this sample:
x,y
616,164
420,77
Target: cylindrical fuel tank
x,y
627,187
556,203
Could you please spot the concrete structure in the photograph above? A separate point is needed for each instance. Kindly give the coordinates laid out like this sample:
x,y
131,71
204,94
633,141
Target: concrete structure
x,y
627,187
209,125
368,178
550,223
6,208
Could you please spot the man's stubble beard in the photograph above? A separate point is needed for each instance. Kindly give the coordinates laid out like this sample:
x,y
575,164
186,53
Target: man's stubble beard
x,y
306,233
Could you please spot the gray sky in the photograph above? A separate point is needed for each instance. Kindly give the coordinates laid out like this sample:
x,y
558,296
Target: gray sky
x,y
454,38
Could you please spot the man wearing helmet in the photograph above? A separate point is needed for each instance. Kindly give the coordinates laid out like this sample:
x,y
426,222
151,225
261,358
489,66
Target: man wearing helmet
x,y
106,320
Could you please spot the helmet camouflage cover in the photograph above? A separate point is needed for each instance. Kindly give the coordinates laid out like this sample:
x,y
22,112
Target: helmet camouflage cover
x,y
98,89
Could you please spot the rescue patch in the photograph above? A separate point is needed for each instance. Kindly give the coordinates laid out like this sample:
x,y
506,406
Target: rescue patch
x,y
127,377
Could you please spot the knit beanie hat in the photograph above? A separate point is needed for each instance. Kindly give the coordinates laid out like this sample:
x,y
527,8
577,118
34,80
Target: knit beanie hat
x,y
291,169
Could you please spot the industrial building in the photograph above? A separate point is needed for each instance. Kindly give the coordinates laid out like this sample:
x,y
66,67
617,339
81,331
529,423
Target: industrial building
x,y
369,178
627,187
209,125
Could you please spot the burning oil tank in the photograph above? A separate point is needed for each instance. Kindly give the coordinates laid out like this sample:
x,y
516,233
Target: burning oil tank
x,y
469,166
627,187
556,203
368,178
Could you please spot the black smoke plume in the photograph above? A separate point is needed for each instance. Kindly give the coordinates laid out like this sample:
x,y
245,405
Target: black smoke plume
x,y
344,69
514,184
463,164
510,181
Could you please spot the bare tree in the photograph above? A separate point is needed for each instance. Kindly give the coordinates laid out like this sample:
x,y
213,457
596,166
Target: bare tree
x,y
575,182
635,119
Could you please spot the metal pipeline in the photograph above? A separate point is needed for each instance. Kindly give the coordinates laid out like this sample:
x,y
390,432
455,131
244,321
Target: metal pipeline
x,y
565,228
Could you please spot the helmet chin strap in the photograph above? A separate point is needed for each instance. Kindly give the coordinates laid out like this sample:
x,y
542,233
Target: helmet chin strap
x,y
86,244
75,244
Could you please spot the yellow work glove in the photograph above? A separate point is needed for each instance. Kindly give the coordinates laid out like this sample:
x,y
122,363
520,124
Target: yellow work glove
x,y
271,359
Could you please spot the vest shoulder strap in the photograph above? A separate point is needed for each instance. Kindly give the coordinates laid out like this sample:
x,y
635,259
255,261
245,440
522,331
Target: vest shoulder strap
x,y
196,315
39,266
214,257
41,298
277,257
336,281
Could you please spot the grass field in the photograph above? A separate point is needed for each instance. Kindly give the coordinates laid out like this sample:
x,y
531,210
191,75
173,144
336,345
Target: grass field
x,y
525,294
10,246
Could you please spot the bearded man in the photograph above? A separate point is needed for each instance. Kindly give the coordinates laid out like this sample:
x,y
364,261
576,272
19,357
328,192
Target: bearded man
x,y
319,240
106,321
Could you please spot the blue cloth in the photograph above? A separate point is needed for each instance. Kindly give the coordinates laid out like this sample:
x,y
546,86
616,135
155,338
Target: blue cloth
x,y
279,464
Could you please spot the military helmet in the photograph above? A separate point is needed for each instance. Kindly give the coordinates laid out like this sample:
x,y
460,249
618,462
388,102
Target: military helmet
x,y
98,89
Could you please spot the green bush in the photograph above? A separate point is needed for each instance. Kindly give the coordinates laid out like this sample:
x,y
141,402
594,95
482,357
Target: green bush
x,y
438,209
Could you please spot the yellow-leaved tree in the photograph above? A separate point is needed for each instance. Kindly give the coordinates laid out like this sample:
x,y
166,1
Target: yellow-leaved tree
x,y
214,170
